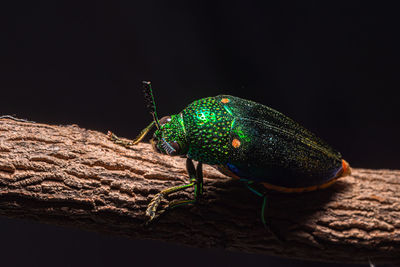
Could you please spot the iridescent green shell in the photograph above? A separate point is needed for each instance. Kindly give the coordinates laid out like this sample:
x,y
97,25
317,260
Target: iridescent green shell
x,y
208,126
255,142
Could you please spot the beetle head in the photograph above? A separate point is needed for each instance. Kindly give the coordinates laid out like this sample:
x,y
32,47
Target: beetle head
x,y
170,138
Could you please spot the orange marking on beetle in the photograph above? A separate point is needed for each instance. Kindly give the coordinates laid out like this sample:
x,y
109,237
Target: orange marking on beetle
x,y
346,168
225,100
235,143
345,171
299,189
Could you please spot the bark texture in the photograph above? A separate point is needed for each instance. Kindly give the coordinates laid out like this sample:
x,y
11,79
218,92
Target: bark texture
x,y
67,175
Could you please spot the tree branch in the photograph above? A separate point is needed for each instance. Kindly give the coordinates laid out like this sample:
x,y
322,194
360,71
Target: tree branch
x,y
67,175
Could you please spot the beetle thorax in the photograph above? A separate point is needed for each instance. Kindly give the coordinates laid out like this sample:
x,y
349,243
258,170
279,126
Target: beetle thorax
x,y
207,126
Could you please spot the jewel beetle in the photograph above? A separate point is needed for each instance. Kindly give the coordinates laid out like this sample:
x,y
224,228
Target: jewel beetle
x,y
242,139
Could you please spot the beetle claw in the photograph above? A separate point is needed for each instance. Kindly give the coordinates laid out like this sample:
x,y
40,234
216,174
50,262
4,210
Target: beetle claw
x,y
151,210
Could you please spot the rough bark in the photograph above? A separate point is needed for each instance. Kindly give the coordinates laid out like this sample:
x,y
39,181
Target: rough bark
x,y
67,175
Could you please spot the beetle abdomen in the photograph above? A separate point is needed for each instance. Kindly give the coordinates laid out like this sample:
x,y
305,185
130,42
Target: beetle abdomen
x,y
344,171
254,111
283,158
268,147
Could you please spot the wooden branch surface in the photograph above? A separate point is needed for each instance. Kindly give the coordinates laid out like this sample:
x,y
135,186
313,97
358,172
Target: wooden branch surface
x,y
67,175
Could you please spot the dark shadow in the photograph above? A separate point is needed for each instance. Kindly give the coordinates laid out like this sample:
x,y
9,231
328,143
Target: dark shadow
x,y
230,202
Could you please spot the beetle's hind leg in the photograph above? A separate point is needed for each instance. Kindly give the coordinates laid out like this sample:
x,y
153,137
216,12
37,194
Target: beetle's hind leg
x,y
196,180
264,196
266,223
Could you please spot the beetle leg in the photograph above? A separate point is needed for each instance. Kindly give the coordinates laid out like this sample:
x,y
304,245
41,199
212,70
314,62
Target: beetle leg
x,y
151,210
118,140
135,141
263,213
248,183
264,202
195,176
198,187
266,224
196,180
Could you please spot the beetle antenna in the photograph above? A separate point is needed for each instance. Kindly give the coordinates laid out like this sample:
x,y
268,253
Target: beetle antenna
x,y
148,95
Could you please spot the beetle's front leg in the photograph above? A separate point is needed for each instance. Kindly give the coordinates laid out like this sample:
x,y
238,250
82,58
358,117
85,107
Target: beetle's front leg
x,y
196,180
111,136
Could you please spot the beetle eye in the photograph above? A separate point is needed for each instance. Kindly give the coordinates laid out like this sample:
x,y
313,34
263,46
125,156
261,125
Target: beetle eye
x,y
164,120
177,148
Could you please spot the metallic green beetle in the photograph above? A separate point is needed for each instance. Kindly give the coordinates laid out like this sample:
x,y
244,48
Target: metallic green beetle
x,y
244,140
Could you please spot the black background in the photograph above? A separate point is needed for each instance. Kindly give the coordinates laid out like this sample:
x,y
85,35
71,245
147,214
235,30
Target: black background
x,y
331,67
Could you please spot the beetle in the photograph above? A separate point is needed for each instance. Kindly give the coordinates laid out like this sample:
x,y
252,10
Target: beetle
x,y
244,140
